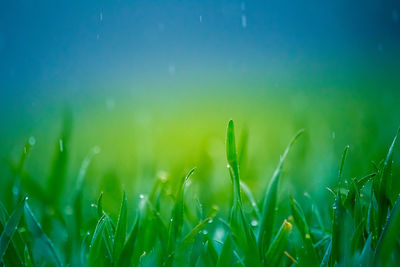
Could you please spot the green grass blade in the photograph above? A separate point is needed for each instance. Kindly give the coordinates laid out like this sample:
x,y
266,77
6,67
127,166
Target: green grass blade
x,y
189,238
302,225
176,222
233,165
10,228
327,256
120,232
39,237
58,172
241,230
100,205
227,258
389,236
96,246
270,200
251,198
367,253
338,215
277,248
127,252
27,258
383,196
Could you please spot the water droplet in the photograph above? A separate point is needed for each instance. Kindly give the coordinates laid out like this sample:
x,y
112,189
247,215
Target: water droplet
x,y
210,221
201,18
101,16
93,205
244,21
254,223
60,142
141,196
228,166
32,140
96,150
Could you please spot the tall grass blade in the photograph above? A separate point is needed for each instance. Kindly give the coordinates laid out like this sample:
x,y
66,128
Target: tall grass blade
x,y
302,225
277,248
39,238
127,252
120,232
383,194
10,227
270,200
389,236
338,215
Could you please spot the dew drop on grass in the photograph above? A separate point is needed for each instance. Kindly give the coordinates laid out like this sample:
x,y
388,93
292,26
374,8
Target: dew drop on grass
x,y
96,150
141,196
61,144
210,221
254,223
32,140
93,205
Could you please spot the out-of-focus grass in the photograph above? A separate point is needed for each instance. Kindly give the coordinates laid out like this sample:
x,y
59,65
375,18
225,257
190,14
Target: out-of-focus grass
x,y
173,216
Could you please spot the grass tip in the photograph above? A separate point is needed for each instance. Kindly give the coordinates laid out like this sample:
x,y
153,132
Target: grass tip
x,y
287,225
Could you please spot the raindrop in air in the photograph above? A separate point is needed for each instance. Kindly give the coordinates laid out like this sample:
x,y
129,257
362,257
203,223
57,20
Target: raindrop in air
x,y
244,21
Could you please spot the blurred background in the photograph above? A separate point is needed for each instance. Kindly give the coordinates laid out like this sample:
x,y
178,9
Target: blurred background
x,y
152,84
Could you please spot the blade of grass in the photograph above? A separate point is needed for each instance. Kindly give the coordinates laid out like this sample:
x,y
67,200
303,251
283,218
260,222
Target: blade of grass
x,y
96,245
302,225
338,215
10,227
251,198
39,237
241,230
227,258
120,233
189,238
127,252
277,248
270,200
383,196
389,236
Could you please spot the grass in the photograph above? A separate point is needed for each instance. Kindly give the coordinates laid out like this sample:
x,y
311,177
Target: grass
x,y
169,227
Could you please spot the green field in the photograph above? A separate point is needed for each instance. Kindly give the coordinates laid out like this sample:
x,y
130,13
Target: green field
x,y
319,204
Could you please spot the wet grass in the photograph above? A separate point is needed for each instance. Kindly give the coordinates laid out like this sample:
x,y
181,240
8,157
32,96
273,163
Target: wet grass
x,y
170,227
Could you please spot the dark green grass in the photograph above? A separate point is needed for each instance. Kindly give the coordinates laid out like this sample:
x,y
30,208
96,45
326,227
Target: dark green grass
x,y
169,228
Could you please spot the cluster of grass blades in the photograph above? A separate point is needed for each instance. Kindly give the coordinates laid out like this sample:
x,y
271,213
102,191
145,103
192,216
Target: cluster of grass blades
x,y
364,229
